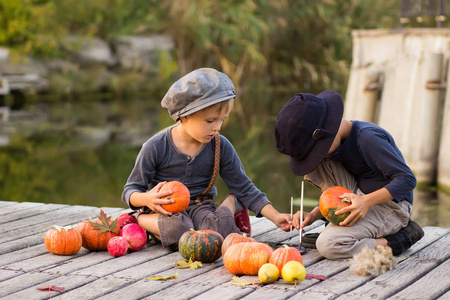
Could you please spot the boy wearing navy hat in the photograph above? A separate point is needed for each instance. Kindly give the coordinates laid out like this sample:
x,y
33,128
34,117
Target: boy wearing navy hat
x,y
360,156
193,152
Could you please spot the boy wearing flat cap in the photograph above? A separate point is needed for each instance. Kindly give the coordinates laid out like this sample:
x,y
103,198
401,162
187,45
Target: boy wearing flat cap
x,y
360,156
192,151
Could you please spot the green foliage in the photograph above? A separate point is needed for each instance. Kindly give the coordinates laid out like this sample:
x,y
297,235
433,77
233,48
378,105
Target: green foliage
x,y
103,18
24,27
271,49
291,42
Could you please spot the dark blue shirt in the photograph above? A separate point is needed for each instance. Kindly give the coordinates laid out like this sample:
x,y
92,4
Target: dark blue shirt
x,y
371,156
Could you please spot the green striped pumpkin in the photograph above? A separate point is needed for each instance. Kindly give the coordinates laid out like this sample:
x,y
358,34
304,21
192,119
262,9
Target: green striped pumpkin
x,y
201,245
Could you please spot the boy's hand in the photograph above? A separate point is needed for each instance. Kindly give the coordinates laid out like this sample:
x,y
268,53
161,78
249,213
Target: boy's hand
x,y
284,221
308,218
358,209
154,199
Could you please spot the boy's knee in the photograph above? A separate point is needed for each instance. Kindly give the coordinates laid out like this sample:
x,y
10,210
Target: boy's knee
x,y
331,248
325,247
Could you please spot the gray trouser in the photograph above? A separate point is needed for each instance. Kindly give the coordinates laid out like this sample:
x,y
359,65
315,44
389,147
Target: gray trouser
x,y
383,219
205,216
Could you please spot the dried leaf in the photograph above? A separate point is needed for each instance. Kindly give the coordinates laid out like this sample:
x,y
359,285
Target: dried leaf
x,y
51,288
182,264
318,277
159,277
235,280
106,224
404,258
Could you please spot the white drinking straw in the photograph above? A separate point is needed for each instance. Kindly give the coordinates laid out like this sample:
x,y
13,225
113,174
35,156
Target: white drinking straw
x,y
292,208
301,216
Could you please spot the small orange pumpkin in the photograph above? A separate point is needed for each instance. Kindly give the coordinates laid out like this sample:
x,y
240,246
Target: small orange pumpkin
x,y
329,203
235,238
246,258
96,234
283,255
63,240
181,195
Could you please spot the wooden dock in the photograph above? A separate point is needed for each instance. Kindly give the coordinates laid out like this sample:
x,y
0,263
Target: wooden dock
x,y
423,272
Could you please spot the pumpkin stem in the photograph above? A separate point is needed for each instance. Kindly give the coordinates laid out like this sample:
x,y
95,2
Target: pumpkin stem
x,y
285,246
346,200
295,282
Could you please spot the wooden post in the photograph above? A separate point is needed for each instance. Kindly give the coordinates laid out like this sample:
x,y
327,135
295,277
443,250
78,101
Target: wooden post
x,y
430,119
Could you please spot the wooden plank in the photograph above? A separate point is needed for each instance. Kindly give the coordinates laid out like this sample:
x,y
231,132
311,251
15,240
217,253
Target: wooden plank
x,y
119,265
262,227
182,285
7,274
226,291
7,203
25,237
432,285
52,211
269,292
197,286
44,262
98,275
94,289
5,212
279,236
67,282
158,266
76,215
23,254
26,280
346,281
405,274
446,296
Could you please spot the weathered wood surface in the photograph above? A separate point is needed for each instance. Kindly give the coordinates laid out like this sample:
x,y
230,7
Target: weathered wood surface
x,y
25,264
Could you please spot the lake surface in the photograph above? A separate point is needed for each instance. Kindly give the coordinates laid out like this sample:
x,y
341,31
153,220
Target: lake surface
x,y
80,152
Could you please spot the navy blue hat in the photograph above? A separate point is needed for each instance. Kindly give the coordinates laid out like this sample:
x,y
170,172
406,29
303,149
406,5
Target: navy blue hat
x,y
306,127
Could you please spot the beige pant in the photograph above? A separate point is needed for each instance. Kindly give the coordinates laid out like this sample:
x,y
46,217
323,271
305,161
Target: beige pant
x,y
336,242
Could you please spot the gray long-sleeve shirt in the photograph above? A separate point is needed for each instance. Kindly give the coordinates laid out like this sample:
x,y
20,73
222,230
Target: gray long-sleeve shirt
x,y
159,160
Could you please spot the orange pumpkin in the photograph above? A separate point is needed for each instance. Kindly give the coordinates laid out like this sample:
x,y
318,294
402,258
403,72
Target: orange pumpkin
x,y
181,195
283,255
235,238
329,203
246,258
63,240
96,234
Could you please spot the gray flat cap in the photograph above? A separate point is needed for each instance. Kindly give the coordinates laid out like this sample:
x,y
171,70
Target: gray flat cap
x,y
197,90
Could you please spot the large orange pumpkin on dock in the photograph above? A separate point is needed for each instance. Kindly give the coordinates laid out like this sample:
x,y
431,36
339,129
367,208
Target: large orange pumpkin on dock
x,y
246,258
181,195
283,255
235,238
329,203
